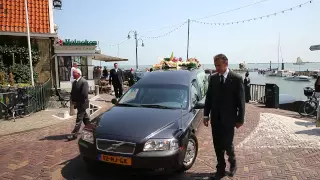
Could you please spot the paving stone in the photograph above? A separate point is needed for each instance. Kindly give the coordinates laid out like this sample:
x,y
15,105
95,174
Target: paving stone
x,y
268,146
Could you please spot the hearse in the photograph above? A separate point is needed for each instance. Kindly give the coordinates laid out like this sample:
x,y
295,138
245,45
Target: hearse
x,y
152,126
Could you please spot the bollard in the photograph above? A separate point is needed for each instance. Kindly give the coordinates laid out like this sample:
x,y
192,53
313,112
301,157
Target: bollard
x,y
318,115
317,94
72,111
96,90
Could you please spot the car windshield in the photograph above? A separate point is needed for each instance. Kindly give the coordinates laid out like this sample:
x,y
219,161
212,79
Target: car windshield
x,y
156,96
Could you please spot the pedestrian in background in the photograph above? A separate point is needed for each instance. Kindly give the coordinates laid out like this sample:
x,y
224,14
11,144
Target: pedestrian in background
x,y
116,78
74,67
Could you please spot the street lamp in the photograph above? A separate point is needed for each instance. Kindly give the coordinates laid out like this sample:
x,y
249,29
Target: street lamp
x,y
29,44
137,41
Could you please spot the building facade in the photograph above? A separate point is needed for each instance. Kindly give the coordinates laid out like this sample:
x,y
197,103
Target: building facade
x,y
13,28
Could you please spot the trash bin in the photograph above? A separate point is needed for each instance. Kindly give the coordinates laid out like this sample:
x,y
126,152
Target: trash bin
x,y
272,96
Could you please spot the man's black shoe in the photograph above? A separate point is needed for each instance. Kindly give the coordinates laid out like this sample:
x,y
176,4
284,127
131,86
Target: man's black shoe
x,y
233,170
219,175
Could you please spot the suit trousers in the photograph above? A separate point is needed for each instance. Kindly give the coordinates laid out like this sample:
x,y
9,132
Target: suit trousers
x,y
118,89
82,116
223,142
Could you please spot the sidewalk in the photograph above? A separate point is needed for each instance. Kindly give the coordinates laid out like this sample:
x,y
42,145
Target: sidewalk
x,y
268,146
45,118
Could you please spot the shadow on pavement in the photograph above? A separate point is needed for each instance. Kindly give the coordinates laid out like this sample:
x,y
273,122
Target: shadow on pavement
x,y
56,137
311,132
75,169
306,124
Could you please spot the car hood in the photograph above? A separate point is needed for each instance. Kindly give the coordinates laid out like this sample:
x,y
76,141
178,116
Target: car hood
x,y
136,122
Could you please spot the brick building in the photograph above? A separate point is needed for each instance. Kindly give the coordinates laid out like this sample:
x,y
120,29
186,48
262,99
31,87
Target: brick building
x,y
13,30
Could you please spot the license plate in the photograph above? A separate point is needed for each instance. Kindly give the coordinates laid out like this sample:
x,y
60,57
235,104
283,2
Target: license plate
x,y
116,160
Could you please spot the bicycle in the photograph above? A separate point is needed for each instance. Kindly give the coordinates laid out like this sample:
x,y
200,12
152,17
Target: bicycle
x,y
20,105
309,107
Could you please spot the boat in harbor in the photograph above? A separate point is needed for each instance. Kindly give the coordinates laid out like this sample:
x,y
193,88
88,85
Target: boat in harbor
x,y
280,73
277,72
297,78
299,62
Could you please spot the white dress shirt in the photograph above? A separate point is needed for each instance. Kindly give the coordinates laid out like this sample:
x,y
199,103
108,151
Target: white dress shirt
x,y
225,75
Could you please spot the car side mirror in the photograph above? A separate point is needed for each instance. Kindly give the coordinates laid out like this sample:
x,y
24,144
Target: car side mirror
x,y
199,105
114,101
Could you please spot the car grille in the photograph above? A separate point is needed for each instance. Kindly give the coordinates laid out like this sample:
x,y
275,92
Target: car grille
x,y
115,146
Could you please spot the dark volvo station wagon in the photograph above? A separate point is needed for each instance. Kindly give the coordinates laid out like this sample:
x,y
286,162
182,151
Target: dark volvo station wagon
x,y
152,126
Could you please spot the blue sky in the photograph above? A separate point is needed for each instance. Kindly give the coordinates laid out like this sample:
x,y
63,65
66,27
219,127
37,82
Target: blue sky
x,y
109,21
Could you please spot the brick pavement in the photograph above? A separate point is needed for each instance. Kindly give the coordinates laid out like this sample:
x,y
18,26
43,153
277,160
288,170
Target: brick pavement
x,y
44,153
38,120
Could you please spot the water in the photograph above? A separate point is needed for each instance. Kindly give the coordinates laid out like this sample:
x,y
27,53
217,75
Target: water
x,y
292,88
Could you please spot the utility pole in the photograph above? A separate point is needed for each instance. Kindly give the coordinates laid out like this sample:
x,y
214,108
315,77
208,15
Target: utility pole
x,y
137,41
29,44
188,39
136,38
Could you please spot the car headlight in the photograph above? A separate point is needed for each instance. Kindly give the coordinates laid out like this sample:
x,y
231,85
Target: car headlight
x,y
161,145
87,136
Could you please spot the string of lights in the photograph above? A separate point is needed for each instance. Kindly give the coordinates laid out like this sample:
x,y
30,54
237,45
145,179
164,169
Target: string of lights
x,y
252,19
166,27
166,34
150,37
217,23
235,9
112,45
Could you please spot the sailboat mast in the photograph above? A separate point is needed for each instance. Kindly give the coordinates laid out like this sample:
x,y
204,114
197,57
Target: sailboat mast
x,y
278,49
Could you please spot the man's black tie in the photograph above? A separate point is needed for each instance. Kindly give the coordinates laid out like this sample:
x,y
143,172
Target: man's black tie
x,y
221,79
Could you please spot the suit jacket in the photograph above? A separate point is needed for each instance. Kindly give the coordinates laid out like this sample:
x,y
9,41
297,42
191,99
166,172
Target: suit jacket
x,y
225,103
79,93
116,78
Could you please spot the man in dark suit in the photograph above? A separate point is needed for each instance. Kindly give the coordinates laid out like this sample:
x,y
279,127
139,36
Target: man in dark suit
x,y
79,96
225,102
116,78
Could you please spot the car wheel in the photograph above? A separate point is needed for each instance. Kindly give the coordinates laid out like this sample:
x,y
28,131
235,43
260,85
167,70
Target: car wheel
x,y
190,154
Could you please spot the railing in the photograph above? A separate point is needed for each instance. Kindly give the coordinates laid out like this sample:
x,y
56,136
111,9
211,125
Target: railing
x,y
257,92
37,97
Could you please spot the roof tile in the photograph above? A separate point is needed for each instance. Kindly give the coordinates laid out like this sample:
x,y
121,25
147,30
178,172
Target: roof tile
x,y
13,18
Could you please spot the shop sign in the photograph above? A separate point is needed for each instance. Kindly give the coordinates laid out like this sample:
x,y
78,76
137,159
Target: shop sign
x,y
69,42
57,4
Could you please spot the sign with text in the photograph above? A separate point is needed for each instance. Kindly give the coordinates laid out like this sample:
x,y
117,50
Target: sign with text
x,y
315,48
69,42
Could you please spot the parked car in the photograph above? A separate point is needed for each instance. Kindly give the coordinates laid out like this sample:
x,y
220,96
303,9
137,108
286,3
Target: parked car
x,y
152,126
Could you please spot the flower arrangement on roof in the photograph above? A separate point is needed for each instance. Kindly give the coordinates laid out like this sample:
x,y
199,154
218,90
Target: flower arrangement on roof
x,y
176,63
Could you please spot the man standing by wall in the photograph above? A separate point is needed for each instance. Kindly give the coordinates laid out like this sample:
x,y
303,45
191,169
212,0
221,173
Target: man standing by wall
x,y
116,78
79,96
74,67
225,102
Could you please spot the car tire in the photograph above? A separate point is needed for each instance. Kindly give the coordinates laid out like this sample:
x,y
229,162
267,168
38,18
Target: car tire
x,y
192,143
91,165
